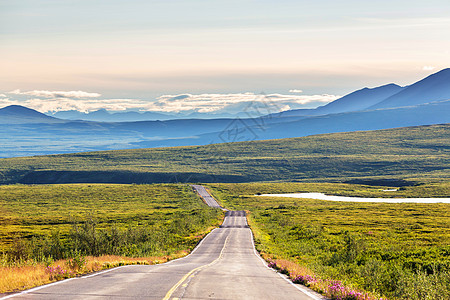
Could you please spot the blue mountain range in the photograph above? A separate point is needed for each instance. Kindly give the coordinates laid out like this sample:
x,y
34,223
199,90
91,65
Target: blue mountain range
x,y
24,131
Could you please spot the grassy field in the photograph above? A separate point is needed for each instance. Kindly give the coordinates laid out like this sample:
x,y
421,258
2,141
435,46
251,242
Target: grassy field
x,y
396,250
43,211
43,226
392,155
400,251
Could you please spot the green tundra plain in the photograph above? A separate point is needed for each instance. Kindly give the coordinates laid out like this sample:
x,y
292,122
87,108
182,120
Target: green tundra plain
x,y
376,157
52,221
137,203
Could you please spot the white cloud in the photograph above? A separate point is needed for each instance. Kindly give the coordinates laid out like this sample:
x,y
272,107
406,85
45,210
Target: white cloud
x,y
83,105
219,102
285,108
295,91
51,101
428,68
5,102
57,94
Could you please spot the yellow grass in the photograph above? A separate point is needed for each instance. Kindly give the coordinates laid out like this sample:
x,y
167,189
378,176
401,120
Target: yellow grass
x,y
13,279
293,268
21,278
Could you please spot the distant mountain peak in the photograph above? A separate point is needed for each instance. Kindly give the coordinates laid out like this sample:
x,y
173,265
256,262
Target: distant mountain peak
x,y
21,114
435,87
392,85
15,107
20,110
360,99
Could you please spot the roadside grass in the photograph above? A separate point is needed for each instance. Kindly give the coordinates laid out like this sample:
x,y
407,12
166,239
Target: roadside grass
x,y
389,250
32,274
51,232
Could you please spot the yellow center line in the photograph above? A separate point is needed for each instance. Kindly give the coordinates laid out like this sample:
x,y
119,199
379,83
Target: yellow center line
x,y
173,289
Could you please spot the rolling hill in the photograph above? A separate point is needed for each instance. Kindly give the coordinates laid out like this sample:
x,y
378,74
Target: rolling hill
x,y
386,157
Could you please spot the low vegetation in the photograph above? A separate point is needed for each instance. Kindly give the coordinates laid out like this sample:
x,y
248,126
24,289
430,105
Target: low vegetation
x,y
400,155
394,250
58,231
399,251
32,273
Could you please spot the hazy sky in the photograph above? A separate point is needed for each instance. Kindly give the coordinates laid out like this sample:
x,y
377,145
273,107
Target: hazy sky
x,y
147,49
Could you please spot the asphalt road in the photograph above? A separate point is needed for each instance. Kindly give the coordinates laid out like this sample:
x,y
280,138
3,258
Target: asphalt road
x,y
223,266
200,189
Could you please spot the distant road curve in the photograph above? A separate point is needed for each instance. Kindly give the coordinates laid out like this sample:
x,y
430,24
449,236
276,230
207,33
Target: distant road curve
x,y
201,190
225,265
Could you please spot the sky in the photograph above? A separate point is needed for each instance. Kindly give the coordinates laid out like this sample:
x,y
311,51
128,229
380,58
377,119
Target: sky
x,y
211,56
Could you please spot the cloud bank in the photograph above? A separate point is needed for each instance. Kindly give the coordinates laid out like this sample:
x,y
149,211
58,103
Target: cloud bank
x,y
57,94
210,103
53,101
